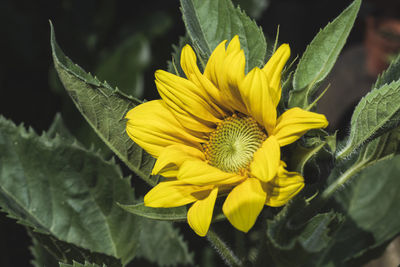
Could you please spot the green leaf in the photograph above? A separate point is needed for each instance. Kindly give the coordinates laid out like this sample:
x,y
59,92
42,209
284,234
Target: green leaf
x,y
383,147
389,75
164,214
61,189
161,243
293,244
209,22
125,65
67,253
371,204
41,256
320,56
375,114
104,109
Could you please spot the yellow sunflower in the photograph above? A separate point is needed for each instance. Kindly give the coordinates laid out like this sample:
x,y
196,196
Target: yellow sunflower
x,y
217,133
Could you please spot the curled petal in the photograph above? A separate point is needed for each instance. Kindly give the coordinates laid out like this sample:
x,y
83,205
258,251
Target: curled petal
x,y
153,127
206,89
200,213
255,94
186,102
283,187
198,172
266,160
215,64
273,70
295,122
174,194
244,203
172,157
225,69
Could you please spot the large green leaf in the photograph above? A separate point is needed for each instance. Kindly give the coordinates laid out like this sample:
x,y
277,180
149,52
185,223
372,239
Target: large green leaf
x,y
377,113
68,253
58,188
371,204
164,214
161,243
41,256
320,56
104,109
209,22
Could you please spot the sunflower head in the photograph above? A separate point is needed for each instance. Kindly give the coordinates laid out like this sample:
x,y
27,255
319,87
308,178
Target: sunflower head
x,y
217,133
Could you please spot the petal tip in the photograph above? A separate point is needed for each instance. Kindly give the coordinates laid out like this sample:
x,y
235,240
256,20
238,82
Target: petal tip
x,y
285,49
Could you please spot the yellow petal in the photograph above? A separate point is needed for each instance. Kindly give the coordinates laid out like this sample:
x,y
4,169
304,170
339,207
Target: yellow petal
x,y
206,89
174,194
198,172
255,94
244,203
172,157
234,45
231,76
266,160
183,99
295,122
273,70
283,188
200,213
225,69
153,127
215,64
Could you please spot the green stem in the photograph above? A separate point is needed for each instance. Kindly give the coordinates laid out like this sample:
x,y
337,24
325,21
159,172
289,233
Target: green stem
x,y
346,176
343,153
224,251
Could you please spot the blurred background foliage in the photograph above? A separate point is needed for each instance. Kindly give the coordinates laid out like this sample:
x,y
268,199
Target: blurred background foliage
x,y
122,42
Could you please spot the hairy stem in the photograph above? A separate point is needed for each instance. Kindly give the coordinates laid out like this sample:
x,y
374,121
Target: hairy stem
x,y
346,176
224,251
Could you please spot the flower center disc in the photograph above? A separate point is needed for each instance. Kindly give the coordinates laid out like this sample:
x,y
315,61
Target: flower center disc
x,y
232,145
